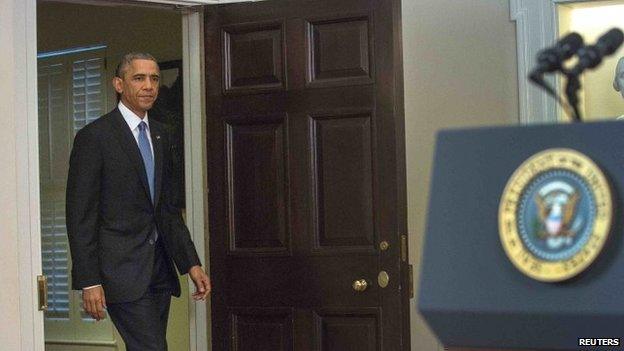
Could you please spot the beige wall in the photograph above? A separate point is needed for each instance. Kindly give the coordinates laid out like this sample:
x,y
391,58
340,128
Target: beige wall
x,y
9,292
460,70
121,29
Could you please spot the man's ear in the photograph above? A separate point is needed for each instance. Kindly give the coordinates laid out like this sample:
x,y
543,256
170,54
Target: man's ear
x,y
118,84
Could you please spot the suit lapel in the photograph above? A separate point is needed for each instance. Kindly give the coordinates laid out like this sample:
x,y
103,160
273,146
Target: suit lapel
x,y
130,147
155,133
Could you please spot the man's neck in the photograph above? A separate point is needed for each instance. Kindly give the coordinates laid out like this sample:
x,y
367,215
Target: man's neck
x,y
140,113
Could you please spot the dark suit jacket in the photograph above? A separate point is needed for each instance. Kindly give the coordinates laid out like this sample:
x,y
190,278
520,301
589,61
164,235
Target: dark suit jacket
x,y
110,217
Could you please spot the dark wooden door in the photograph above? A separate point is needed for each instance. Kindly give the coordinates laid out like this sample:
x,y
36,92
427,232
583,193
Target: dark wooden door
x,y
306,175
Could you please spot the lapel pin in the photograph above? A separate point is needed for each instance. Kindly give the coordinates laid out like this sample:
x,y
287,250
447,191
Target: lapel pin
x,y
158,137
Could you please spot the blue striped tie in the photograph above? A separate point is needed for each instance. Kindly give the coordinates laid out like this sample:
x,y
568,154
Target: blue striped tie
x,y
148,160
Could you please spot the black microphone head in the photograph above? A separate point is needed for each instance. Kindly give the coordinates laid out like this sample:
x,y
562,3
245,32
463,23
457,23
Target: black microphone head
x,y
551,59
569,45
591,56
609,42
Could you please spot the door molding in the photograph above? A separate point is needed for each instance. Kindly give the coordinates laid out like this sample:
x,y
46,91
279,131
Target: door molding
x,y
27,172
195,161
536,28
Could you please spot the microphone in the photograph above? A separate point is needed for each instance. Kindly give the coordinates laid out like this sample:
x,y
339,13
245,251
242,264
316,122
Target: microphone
x,y
591,56
551,59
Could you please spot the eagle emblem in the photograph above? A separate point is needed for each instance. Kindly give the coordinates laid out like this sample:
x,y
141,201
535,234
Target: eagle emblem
x,y
556,203
553,219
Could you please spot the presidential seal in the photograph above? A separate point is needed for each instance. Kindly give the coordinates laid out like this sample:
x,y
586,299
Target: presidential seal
x,y
555,215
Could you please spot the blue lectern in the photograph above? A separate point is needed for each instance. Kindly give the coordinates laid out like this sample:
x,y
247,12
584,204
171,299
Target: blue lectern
x,y
471,294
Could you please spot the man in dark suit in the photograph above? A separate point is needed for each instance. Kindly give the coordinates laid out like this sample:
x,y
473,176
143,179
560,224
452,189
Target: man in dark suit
x,y
124,231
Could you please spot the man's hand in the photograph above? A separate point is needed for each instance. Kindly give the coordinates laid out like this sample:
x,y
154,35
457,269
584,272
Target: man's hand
x,y
202,283
94,302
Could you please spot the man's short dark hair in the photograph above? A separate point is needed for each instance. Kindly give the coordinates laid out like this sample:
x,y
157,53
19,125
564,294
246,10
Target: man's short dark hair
x,y
127,59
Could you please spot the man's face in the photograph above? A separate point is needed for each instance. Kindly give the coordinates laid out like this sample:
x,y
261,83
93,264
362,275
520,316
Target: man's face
x,y
139,85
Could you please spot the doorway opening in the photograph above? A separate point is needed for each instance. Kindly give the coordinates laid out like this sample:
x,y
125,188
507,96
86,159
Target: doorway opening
x,y
76,62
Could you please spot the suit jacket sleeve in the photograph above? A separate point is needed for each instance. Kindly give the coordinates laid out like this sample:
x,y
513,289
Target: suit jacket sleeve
x,y
82,209
184,253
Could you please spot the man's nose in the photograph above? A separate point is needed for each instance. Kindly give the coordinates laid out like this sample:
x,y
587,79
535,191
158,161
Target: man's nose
x,y
149,84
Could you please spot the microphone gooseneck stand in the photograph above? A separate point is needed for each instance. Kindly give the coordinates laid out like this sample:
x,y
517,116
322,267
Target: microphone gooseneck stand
x,y
573,85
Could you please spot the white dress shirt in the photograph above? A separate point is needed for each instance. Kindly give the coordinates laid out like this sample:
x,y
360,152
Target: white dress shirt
x,y
133,123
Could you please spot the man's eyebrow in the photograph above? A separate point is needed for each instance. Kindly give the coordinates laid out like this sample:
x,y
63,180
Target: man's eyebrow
x,y
137,75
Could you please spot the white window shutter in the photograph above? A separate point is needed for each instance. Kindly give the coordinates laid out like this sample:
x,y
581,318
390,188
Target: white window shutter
x,y
71,95
55,255
87,91
52,99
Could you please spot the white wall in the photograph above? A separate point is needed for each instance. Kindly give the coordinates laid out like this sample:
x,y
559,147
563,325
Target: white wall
x,y
9,292
460,68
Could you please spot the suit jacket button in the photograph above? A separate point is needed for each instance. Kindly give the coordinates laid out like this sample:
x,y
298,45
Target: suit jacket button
x,y
151,241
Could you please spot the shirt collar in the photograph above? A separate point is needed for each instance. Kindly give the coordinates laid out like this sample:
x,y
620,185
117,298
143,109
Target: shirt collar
x,y
131,118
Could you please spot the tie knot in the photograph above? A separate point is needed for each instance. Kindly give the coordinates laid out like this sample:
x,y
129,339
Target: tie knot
x,y
142,126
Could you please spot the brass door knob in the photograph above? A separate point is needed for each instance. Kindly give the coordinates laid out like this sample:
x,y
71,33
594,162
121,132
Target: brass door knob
x,y
360,285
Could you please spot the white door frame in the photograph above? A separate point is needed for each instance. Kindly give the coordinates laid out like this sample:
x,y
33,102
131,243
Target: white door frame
x,y
195,163
537,26
27,172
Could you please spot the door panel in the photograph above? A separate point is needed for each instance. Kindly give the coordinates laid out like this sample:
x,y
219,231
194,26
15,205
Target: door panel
x,y
305,165
355,329
341,167
262,329
256,178
253,57
338,51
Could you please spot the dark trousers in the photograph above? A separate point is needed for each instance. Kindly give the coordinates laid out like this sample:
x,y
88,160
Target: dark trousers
x,y
143,323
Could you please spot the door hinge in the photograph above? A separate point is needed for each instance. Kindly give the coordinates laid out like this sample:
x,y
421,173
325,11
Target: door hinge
x,y
403,248
410,280
42,289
